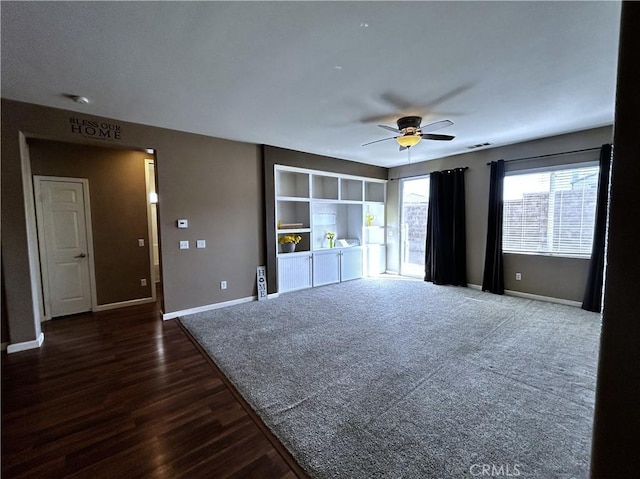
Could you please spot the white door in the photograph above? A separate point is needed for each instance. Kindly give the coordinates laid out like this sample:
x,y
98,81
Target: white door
x,y
60,207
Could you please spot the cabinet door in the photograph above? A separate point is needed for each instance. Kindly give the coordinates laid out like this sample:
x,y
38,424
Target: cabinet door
x,y
376,261
351,264
294,272
326,267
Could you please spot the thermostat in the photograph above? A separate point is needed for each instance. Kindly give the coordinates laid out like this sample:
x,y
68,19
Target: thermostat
x,y
183,224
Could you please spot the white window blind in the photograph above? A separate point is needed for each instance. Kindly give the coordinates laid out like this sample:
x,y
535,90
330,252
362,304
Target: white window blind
x,y
550,212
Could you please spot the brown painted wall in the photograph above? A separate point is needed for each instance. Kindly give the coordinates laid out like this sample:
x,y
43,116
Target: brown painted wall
x,y
118,211
552,276
216,184
280,156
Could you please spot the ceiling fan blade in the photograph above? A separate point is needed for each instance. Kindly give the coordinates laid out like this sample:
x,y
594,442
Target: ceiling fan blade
x,y
377,141
429,136
390,128
436,125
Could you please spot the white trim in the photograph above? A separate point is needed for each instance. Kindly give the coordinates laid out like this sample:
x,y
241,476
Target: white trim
x,y
123,304
296,169
209,307
537,297
17,347
32,235
147,183
548,299
273,295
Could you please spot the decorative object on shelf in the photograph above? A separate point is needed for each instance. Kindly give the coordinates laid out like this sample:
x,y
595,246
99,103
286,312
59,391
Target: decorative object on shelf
x,y
330,236
289,242
290,226
369,219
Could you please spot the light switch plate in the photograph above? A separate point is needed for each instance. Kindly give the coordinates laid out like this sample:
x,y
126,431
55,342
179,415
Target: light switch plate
x,y
183,223
140,241
184,244
201,244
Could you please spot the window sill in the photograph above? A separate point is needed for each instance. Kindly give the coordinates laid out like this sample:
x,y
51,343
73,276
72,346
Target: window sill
x,y
551,255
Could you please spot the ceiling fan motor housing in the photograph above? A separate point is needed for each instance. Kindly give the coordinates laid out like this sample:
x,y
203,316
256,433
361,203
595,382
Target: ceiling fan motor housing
x,y
409,122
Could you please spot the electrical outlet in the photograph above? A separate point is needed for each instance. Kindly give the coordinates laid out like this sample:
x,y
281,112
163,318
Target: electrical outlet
x,y
184,244
143,282
201,244
140,241
518,276
223,285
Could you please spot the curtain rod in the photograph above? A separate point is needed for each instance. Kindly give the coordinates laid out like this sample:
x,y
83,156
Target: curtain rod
x,y
427,174
550,154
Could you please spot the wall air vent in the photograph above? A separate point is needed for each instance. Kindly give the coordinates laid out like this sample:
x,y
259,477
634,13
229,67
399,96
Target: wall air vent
x,y
479,145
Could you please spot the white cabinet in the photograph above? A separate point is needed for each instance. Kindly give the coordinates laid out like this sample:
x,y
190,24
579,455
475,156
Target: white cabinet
x,y
310,204
326,267
294,271
350,264
337,264
375,259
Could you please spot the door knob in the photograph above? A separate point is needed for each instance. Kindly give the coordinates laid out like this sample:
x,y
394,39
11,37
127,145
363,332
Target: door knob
x,y
81,255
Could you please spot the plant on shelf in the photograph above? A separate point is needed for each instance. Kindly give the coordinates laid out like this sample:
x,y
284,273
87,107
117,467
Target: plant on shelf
x,y
289,242
284,239
330,236
369,219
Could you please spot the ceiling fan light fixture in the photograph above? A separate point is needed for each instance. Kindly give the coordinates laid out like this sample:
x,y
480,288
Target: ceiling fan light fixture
x,y
408,140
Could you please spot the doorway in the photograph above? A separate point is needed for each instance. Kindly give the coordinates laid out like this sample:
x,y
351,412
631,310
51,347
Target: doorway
x,y
414,205
119,224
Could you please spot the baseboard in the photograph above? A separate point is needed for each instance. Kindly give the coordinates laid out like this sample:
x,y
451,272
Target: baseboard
x,y
17,347
537,297
548,299
122,304
208,307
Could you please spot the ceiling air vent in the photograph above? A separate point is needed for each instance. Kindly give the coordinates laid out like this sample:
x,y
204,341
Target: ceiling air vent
x,y
479,145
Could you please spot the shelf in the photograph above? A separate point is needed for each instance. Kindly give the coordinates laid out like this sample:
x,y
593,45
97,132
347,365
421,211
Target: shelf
x,y
325,187
292,231
293,198
292,184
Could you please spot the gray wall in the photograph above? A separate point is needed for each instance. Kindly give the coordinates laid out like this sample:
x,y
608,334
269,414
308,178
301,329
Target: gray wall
x,y
117,190
556,277
216,184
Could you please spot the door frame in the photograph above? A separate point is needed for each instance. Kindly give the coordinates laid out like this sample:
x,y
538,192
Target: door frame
x,y
401,233
44,268
148,180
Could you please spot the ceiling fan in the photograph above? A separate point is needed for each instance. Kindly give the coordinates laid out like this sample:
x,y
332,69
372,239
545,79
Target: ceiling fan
x,y
411,132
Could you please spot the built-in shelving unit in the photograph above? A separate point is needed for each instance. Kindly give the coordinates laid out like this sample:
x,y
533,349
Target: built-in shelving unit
x,y
311,204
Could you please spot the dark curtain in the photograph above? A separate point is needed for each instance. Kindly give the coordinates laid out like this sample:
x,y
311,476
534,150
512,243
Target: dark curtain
x,y
592,300
493,279
446,248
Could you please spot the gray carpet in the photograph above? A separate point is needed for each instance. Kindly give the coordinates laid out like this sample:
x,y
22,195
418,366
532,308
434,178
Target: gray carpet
x,y
388,377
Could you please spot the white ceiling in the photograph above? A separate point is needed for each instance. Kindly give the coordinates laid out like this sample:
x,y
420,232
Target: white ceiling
x,y
312,77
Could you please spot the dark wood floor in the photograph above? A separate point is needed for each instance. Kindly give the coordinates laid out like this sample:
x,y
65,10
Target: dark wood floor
x,y
124,394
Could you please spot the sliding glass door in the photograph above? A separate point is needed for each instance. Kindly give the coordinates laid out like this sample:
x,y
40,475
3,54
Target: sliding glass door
x,y
413,225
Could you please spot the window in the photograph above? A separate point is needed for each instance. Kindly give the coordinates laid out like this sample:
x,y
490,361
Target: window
x,y
550,212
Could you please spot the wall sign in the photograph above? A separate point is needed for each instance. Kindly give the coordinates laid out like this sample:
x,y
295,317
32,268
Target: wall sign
x,y
262,283
98,130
